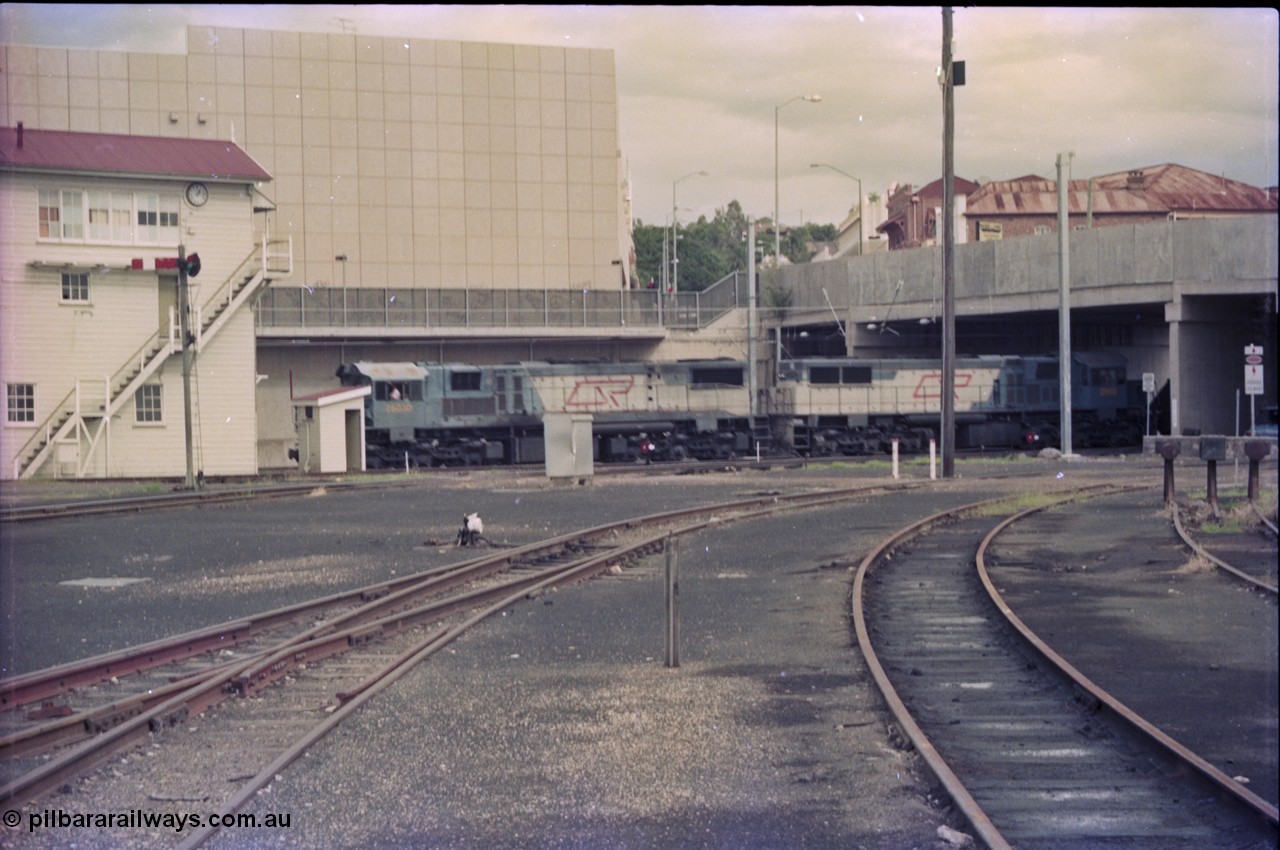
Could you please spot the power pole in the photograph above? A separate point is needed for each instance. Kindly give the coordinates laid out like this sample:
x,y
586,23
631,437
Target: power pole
x,y
948,256
751,321
1064,301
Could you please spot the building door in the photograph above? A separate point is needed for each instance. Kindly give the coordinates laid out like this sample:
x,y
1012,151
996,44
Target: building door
x,y
355,440
168,301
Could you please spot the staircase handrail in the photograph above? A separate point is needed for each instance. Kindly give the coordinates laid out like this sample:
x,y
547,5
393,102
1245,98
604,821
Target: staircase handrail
x,y
44,429
261,255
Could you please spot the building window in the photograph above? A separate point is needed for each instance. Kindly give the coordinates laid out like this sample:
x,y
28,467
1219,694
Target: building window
x,y
75,287
20,402
50,214
98,215
61,214
109,216
148,403
157,219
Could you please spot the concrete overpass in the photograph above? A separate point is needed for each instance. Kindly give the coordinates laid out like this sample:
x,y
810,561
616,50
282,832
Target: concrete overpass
x,y
1180,299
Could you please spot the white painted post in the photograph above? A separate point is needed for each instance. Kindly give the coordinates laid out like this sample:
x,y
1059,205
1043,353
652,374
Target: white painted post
x,y
895,458
933,460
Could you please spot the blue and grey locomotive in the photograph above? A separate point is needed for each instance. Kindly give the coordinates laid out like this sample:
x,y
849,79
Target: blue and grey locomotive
x,y
449,414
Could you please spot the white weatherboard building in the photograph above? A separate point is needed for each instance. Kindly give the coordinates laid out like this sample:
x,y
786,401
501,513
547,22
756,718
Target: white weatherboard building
x,y
90,352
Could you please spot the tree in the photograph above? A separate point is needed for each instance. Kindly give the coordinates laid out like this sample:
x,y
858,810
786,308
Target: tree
x,y
710,250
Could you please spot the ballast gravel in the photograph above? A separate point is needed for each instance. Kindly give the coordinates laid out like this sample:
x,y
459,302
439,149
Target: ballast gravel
x,y
557,724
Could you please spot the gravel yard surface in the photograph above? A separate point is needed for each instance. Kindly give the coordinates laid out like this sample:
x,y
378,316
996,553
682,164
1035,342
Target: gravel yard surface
x,y
556,724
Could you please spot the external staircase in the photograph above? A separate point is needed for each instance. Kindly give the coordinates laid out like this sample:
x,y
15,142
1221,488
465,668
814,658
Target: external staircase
x,y
83,416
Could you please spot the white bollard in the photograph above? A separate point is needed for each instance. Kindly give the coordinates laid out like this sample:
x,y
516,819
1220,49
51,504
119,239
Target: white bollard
x,y
933,460
895,458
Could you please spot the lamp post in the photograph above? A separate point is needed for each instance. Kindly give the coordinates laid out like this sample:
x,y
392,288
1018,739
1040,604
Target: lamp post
x,y
675,231
777,232
859,180
342,258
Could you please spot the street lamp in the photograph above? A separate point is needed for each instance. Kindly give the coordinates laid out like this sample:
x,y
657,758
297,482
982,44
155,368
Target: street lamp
x,y
342,258
777,233
675,231
851,177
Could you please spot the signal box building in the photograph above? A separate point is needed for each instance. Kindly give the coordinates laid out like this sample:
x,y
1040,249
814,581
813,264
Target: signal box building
x,y
92,226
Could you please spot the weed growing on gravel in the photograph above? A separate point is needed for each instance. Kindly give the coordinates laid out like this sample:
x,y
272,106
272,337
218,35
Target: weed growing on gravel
x,y
1016,504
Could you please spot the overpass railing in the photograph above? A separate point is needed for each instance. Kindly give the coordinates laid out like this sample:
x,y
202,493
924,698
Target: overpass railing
x,y
404,309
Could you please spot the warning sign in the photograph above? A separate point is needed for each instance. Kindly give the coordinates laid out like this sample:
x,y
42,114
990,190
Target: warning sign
x,y
1253,370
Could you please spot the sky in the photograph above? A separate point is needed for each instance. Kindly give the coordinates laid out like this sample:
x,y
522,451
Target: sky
x,y
705,88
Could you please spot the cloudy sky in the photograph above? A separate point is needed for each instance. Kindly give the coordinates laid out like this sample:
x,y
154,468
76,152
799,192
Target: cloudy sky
x,y
699,87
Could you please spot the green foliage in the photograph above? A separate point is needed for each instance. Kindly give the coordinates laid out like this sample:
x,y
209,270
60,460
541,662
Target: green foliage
x,y
710,250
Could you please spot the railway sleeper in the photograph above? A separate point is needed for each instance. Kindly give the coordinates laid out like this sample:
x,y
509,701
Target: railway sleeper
x,y
168,721
365,636
374,593
106,720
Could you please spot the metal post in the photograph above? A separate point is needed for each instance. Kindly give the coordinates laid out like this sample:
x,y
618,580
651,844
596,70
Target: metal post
x,y
1211,486
1064,303
948,405
673,603
1168,451
1255,451
184,331
751,319
777,227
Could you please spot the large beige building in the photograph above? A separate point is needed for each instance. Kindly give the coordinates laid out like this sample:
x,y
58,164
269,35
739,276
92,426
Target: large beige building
x,y
425,163
407,173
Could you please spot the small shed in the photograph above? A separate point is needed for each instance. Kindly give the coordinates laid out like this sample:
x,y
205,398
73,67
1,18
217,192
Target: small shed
x,y
330,427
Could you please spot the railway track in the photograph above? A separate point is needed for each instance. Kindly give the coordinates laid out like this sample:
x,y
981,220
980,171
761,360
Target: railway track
x,y
333,654
1033,753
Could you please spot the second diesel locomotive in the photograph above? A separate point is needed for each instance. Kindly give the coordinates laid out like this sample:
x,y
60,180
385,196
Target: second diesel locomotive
x,y
449,414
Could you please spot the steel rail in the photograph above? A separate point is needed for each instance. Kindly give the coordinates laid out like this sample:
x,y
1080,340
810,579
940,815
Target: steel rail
x,y
951,783
1126,714
44,684
353,698
1215,560
245,674
1264,519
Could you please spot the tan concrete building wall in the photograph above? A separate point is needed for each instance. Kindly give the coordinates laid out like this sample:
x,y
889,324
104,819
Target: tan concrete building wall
x,y
426,163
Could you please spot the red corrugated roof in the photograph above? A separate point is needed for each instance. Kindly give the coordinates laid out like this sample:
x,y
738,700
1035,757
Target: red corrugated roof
x,y
104,153
1156,190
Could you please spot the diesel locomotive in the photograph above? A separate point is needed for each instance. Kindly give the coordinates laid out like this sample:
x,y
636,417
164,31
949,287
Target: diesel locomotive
x,y
451,414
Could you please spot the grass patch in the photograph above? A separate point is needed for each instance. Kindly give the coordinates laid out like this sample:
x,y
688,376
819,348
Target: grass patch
x,y
1016,504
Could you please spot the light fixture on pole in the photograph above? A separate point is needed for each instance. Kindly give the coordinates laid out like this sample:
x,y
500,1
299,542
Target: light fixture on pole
x,y
342,258
675,230
777,232
859,180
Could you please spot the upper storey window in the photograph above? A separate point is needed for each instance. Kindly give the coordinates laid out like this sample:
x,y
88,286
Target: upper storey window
x,y
101,216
